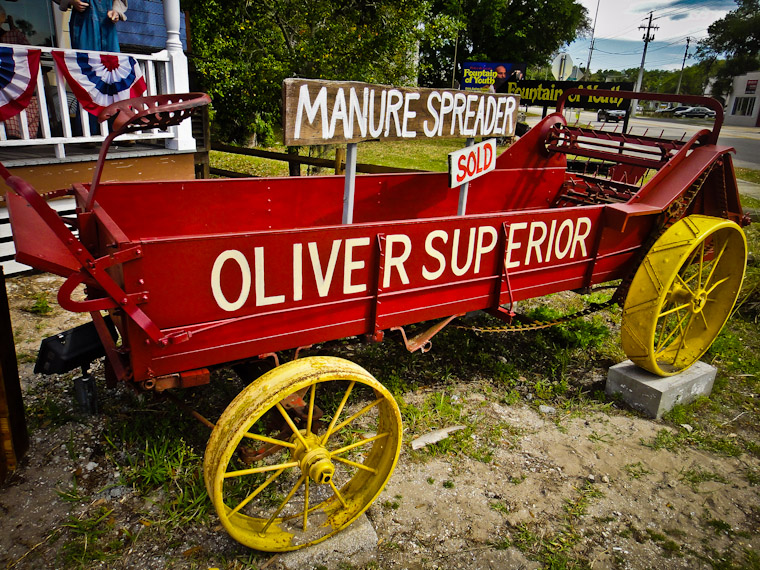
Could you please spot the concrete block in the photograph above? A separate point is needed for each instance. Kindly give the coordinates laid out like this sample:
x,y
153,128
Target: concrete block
x,y
654,395
356,544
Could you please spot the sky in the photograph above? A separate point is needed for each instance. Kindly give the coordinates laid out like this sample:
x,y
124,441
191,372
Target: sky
x,y
619,43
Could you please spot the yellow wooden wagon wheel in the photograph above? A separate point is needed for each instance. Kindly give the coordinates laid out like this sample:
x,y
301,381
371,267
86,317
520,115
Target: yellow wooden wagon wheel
x,y
683,293
301,453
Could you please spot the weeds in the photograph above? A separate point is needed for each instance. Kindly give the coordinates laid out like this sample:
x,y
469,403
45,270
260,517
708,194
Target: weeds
x,y
556,550
40,305
696,476
90,539
636,470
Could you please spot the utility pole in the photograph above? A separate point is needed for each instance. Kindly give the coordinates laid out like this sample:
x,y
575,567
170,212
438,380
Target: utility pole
x,y
591,47
683,63
454,69
648,37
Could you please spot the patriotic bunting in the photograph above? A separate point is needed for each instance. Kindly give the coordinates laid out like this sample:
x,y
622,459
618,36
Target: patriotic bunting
x,y
98,79
18,78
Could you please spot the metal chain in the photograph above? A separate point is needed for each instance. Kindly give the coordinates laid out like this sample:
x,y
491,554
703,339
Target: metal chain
x,y
671,215
536,325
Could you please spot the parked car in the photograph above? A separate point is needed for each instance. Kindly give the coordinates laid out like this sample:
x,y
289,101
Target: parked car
x,y
670,111
604,115
695,112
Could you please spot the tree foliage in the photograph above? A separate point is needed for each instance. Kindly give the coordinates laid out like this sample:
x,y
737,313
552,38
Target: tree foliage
x,y
693,81
243,49
736,37
518,31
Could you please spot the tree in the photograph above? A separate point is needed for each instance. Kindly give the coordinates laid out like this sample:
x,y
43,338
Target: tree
x,y
242,50
736,37
518,31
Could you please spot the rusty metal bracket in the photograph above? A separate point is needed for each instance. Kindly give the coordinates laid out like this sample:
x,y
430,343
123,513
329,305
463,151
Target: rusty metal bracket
x,y
421,341
377,333
505,274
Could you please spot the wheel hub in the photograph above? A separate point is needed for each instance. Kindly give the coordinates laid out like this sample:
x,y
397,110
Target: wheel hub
x,y
699,301
314,459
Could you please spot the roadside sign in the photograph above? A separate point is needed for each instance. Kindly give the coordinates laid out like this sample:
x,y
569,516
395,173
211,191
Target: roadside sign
x,y
471,162
339,112
562,67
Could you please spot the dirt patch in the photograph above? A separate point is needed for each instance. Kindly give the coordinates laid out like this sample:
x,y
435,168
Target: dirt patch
x,y
524,486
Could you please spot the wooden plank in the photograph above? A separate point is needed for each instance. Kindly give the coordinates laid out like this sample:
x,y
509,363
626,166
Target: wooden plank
x,y
336,112
14,439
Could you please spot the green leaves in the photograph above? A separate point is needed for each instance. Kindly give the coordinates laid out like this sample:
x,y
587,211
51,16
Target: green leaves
x,y
242,51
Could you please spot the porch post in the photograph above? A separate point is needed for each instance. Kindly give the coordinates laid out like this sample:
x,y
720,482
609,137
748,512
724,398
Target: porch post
x,y
177,74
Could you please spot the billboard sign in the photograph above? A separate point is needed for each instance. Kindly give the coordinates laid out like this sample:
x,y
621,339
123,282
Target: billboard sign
x,y
546,93
490,75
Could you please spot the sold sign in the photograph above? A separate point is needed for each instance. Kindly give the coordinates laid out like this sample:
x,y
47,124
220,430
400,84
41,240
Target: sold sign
x,y
471,162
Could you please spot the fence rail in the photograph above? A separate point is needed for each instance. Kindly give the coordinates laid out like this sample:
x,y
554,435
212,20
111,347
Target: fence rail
x,y
339,163
62,120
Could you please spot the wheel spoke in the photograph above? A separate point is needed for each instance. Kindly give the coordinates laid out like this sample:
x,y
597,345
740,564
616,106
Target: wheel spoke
x,y
685,283
266,439
306,502
690,263
265,468
701,263
715,262
337,493
684,331
337,413
289,421
673,310
710,290
359,444
662,335
355,464
258,490
285,501
359,414
661,344
311,408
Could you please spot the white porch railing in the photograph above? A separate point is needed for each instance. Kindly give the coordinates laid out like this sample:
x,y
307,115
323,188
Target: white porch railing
x,y
62,119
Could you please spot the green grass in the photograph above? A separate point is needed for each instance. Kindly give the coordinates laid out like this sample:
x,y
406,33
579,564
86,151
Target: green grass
x,y
423,154
748,174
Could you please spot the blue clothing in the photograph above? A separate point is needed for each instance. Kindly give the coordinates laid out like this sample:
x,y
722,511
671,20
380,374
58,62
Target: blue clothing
x,y
93,29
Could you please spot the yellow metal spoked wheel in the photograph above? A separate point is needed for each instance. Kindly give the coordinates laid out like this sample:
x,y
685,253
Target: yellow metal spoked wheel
x,y
683,293
301,453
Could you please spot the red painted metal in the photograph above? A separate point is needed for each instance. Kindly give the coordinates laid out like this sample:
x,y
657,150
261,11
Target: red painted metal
x,y
201,273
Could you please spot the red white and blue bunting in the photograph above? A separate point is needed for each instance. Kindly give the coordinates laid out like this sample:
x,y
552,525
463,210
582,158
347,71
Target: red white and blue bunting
x,y
18,78
98,80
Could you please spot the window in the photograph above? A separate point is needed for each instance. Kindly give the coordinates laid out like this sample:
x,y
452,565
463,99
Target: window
x,y
751,87
744,106
32,18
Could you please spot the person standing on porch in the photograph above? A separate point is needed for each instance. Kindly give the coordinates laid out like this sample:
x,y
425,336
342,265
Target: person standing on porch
x,y
93,23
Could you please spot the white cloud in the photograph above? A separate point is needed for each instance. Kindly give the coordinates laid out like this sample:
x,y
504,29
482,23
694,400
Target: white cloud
x,y
619,43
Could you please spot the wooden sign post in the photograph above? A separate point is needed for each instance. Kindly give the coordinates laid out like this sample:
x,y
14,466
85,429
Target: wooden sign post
x,y
14,439
343,112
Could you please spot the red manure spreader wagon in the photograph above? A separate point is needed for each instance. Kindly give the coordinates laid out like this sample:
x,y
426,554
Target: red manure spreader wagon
x,y
200,274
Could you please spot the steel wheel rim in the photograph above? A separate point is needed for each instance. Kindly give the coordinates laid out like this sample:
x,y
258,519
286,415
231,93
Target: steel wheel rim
x,y
683,294
320,484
